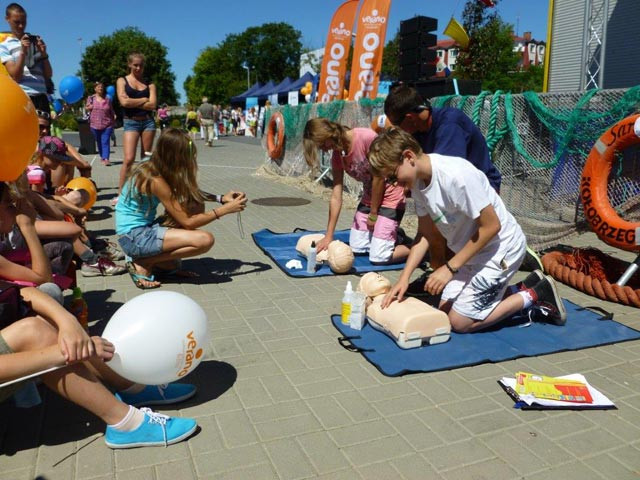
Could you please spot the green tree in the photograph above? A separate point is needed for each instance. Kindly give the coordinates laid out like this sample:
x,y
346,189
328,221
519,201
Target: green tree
x,y
530,78
490,56
106,60
390,57
271,50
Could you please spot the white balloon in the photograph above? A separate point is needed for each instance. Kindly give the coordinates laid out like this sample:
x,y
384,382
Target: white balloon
x,y
159,337
307,97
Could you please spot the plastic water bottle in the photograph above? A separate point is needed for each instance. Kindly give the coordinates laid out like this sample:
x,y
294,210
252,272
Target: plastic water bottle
x,y
346,304
79,308
311,258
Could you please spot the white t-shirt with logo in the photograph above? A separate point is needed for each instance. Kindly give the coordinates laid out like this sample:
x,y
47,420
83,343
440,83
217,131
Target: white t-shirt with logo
x,y
457,193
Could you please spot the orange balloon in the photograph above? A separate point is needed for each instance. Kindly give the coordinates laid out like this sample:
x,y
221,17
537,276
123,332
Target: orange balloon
x,y
86,184
18,129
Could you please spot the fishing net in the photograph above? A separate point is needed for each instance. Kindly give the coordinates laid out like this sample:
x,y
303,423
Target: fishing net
x,y
539,142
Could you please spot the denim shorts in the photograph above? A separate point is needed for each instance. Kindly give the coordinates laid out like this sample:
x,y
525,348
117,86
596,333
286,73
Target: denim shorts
x,y
131,125
143,241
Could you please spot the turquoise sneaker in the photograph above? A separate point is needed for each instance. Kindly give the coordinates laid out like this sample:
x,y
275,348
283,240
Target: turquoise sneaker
x,y
159,394
156,430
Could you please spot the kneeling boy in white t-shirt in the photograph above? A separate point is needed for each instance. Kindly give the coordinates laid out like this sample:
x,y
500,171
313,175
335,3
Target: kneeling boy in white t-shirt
x,y
454,197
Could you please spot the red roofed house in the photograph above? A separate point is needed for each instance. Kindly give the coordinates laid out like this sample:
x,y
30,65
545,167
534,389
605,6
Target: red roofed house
x,y
532,53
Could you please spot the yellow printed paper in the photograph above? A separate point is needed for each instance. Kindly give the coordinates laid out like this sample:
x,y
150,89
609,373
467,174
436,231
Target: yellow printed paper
x,y
552,388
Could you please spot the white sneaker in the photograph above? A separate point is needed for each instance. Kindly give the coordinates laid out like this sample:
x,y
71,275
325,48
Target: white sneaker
x,y
103,267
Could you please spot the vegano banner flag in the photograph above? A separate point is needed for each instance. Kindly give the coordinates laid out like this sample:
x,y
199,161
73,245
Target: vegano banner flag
x,y
367,54
336,50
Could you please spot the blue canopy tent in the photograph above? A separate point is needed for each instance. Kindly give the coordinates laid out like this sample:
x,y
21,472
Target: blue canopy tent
x,y
283,92
240,99
282,85
264,91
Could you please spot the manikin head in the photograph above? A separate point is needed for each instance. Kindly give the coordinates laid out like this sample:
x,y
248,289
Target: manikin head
x,y
340,257
373,284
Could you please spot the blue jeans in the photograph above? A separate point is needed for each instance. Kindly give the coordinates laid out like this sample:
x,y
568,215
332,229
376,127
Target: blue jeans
x,y
102,139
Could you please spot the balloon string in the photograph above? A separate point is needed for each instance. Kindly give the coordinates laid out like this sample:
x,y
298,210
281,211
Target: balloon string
x,y
36,374
240,227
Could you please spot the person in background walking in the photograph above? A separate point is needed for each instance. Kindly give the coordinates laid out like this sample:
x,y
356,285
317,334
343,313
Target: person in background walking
x,y
163,116
101,120
206,115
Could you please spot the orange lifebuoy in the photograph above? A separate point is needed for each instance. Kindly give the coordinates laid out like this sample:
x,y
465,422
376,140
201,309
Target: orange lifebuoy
x,y
275,135
602,217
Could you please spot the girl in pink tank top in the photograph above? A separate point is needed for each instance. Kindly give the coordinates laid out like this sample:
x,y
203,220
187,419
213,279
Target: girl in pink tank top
x,y
375,224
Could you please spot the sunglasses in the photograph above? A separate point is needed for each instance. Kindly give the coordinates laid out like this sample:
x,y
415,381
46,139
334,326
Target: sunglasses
x,y
400,119
45,115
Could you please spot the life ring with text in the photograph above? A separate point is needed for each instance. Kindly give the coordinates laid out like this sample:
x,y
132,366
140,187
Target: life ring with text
x,y
275,135
602,217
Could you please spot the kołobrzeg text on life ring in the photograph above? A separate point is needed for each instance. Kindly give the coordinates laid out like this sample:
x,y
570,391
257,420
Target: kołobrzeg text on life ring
x,y
602,217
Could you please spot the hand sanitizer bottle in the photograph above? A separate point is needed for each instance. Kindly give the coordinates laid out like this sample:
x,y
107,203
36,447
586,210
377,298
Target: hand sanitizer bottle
x,y
346,304
311,258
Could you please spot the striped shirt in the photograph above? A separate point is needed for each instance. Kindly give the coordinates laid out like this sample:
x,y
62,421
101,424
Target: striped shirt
x,y
32,81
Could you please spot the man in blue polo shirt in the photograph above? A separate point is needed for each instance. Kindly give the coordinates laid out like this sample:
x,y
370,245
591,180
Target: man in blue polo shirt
x,y
447,131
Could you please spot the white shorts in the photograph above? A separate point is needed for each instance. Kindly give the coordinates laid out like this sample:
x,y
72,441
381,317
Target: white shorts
x,y
363,241
379,243
476,290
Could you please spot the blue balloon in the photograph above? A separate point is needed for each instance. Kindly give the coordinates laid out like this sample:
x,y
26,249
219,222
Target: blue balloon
x,y
71,89
111,90
110,96
57,105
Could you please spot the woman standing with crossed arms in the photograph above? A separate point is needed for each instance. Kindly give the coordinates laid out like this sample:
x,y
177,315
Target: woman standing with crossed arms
x,y
138,99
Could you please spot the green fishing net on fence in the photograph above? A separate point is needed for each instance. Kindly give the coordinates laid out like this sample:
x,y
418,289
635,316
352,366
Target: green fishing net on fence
x,y
539,142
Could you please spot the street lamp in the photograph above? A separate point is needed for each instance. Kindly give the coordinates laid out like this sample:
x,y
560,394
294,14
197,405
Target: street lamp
x,y
247,67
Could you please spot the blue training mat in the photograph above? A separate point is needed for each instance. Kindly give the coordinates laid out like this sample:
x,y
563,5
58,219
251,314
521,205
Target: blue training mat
x,y
281,247
584,328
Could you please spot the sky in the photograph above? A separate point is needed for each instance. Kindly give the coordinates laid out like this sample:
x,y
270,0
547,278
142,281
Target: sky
x,y
186,28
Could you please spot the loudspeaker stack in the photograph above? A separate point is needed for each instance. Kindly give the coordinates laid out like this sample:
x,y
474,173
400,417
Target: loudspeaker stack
x,y
418,58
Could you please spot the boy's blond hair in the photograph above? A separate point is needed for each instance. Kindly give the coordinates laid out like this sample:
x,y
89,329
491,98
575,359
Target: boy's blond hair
x,y
385,152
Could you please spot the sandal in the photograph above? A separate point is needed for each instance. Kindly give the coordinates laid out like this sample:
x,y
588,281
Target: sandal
x,y
138,278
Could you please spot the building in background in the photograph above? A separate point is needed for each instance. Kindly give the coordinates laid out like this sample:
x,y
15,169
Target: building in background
x,y
311,61
592,44
532,52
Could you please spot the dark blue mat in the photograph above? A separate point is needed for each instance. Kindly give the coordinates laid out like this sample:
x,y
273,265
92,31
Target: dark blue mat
x,y
584,328
281,247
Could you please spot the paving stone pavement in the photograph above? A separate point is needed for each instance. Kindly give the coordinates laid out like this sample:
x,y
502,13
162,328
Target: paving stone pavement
x,y
280,399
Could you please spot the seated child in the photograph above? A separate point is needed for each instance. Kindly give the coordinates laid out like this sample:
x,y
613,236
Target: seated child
x,y
32,266
456,199
52,337
51,152
168,178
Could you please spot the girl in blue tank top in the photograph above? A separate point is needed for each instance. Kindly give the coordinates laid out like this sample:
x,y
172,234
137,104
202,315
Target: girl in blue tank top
x,y
168,178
